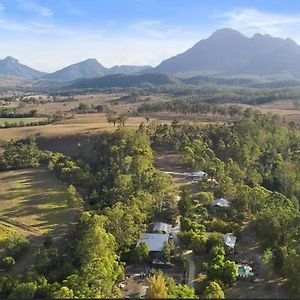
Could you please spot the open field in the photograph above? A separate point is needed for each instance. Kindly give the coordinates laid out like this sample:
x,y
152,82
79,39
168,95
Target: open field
x,y
81,124
33,202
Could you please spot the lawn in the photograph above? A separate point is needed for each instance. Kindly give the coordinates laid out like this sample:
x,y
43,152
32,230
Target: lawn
x,y
33,202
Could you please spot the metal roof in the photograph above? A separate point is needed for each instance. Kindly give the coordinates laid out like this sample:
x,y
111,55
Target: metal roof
x,y
198,174
221,202
155,241
164,227
230,240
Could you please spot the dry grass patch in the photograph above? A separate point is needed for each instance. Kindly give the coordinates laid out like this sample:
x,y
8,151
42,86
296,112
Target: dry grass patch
x,y
33,201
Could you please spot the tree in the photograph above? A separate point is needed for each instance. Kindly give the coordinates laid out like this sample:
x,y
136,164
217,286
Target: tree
x,y
181,291
73,197
63,292
166,251
99,266
111,117
24,290
198,244
268,260
122,119
213,291
214,239
141,253
125,223
157,287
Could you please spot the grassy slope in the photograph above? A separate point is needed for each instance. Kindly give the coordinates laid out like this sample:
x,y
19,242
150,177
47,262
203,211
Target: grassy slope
x,y
33,201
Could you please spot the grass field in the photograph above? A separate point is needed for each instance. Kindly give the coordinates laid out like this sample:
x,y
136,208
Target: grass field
x,y
33,202
18,120
81,124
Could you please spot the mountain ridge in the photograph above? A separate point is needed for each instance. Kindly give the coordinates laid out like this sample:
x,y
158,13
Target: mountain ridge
x,y
228,52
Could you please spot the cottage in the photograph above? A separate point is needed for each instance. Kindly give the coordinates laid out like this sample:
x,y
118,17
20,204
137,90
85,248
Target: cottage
x,y
221,203
155,241
198,176
162,228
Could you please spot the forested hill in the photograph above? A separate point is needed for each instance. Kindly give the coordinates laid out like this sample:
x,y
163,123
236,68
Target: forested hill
x,y
123,81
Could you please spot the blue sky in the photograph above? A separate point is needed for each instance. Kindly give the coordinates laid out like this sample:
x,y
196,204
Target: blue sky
x,y
50,34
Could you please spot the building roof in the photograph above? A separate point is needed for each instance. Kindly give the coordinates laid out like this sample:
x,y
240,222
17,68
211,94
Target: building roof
x,y
230,240
221,203
164,227
155,241
198,174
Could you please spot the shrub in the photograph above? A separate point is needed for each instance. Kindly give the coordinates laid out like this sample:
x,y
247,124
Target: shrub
x,y
8,262
16,246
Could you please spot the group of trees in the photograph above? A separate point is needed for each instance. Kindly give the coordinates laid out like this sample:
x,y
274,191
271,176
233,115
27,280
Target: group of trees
x,y
114,118
89,267
255,161
84,108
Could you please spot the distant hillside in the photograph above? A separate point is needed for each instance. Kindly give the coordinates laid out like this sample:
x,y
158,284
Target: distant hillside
x,y
228,52
90,68
85,69
127,69
11,67
123,81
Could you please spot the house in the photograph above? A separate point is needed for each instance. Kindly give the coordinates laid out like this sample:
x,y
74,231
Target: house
x,y
221,203
155,241
162,228
199,175
230,241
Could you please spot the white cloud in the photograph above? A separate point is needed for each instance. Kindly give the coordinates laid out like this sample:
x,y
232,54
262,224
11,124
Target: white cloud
x,y
251,21
1,7
33,6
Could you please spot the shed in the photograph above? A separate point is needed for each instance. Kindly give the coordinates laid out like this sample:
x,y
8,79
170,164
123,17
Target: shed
x,y
162,227
199,175
221,203
155,241
230,240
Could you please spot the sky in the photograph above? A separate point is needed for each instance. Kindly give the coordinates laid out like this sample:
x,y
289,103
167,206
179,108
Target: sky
x,y
50,34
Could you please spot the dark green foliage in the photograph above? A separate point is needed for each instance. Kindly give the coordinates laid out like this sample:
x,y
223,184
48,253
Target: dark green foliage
x,y
8,262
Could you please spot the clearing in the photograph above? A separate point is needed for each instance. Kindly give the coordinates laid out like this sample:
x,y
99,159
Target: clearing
x,y
33,203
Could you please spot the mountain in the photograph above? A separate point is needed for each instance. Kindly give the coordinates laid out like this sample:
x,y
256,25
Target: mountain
x,y
86,69
90,68
10,66
228,52
123,81
127,69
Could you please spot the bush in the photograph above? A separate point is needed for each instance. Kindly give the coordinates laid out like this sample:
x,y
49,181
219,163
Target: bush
x,y
16,246
8,262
